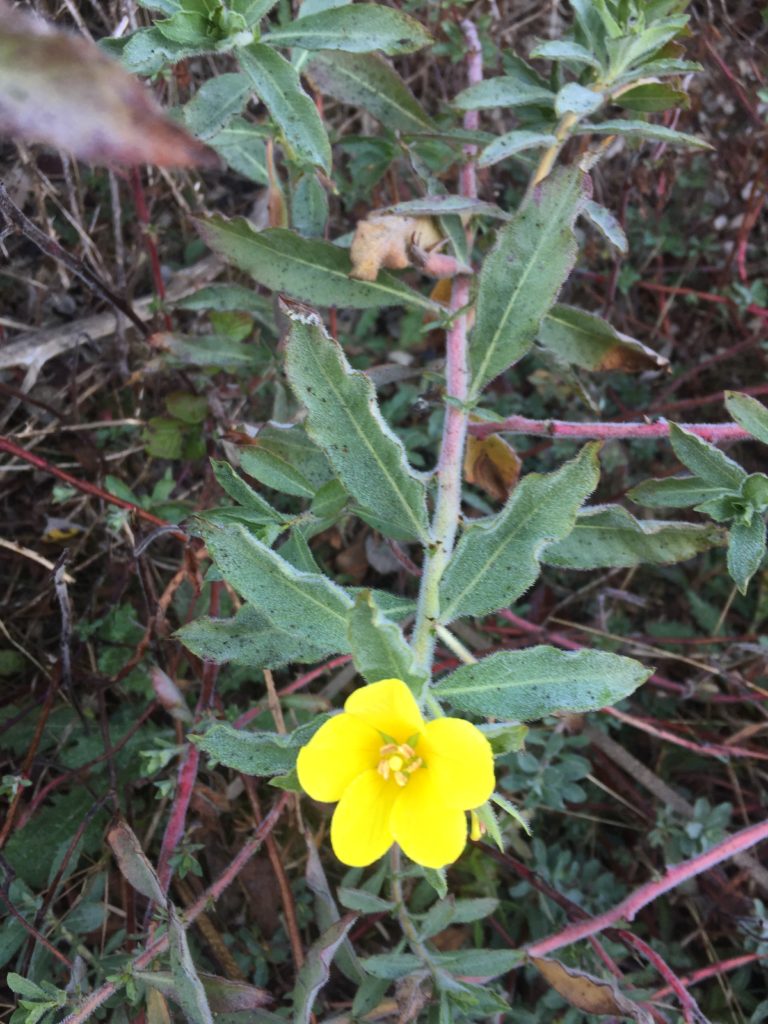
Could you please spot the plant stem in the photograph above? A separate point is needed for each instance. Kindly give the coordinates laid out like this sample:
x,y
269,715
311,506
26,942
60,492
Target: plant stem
x,y
449,468
405,919
550,155
714,432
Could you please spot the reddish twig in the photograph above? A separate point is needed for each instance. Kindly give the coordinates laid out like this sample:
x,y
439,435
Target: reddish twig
x,y
297,684
34,933
712,970
676,875
714,432
705,750
18,452
98,997
691,1011
142,212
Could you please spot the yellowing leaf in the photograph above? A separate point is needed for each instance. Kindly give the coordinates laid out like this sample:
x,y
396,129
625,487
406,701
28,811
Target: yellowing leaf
x,y
590,994
62,90
491,464
385,241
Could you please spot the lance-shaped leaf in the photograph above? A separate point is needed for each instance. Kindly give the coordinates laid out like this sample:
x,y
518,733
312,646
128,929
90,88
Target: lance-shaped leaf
x,y
530,684
522,275
223,995
441,206
215,103
643,130
356,28
504,91
518,141
608,535
303,603
746,550
590,994
607,224
63,90
189,990
286,460
344,419
749,414
497,559
367,80
317,967
133,862
705,460
379,649
586,340
277,85
327,913
244,494
565,50
676,492
242,145
251,638
256,753
304,268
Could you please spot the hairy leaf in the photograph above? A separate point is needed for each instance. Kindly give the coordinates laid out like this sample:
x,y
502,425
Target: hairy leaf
x,y
517,141
344,419
133,862
355,28
538,681
497,559
586,340
256,753
306,269
522,275
315,972
242,145
676,492
608,535
746,550
749,414
379,649
643,130
504,91
705,460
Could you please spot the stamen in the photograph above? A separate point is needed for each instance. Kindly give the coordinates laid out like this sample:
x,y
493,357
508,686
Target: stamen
x,y
398,762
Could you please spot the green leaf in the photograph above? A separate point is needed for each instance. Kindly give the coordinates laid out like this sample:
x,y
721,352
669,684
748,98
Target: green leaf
x,y
368,81
242,145
379,649
188,408
210,350
676,492
243,493
517,141
223,298
278,86
163,437
309,206
287,461
256,753
133,862
577,99
327,914
471,963
651,97
315,972
453,911
252,10
503,91
355,28
223,995
565,50
609,227
505,737
705,460
584,339
643,130
302,603
148,50
497,559
443,206
307,269
746,550
252,639
190,993
344,419
608,535
749,414
363,902
538,681
522,275
214,103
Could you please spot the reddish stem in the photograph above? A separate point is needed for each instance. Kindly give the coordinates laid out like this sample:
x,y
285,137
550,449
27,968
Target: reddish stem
x,y
714,432
142,212
710,750
676,875
8,446
688,1005
712,970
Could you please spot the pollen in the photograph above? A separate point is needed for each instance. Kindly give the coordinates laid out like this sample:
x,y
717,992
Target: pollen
x,y
399,762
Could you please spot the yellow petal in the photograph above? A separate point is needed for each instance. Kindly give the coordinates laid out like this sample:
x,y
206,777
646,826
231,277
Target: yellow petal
x,y
459,760
427,831
360,831
388,706
341,749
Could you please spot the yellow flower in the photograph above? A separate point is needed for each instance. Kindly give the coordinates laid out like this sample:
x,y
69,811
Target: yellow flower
x,y
397,778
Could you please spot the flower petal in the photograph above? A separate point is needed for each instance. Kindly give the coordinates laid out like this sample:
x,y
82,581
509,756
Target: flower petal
x,y
459,760
427,831
388,706
360,831
341,749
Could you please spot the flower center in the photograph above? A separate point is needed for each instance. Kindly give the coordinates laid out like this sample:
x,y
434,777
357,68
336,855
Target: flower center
x,y
398,761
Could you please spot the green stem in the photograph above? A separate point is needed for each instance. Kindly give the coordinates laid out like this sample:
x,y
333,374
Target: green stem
x,y
406,921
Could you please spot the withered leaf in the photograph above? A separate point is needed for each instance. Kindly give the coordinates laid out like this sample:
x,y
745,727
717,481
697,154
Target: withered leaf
x,y
385,242
60,89
133,862
492,464
590,994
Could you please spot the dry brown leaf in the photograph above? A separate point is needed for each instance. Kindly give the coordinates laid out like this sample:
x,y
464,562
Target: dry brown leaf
x,y
590,994
60,89
383,242
492,464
